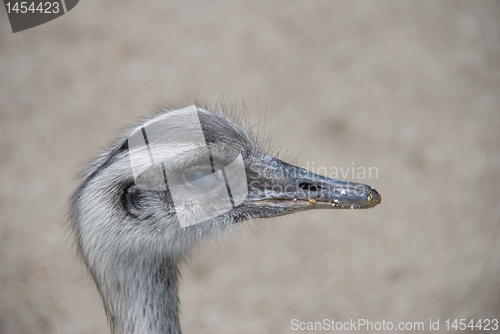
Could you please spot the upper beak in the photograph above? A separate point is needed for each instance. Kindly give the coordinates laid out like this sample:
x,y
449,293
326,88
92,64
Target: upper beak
x,y
299,189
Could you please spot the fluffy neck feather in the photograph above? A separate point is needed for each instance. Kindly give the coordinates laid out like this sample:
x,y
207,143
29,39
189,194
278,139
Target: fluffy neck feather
x,y
134,263
140,296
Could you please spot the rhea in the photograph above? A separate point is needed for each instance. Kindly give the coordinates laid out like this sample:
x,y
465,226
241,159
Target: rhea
x,y
181,177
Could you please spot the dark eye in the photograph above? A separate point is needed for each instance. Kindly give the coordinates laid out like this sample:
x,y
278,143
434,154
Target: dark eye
x,y
200,177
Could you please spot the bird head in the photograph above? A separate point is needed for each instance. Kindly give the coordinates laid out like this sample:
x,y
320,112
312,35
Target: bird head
x,y
188,173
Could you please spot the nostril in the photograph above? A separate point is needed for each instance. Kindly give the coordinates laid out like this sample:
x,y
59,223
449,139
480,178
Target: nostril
x,y
309,186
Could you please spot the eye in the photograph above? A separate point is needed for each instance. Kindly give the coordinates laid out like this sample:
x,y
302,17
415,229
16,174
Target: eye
x,y
200,177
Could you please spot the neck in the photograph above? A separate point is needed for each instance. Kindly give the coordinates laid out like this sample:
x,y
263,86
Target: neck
x,y
140,296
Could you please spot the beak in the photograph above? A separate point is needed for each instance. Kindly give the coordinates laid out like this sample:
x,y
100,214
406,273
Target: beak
x,y
296,189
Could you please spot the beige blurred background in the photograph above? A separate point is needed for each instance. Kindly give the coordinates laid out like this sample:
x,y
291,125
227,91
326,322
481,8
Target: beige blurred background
x,y
409,87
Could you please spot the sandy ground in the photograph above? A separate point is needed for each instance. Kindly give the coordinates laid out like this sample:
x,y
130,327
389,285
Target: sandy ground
x,y
411,88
